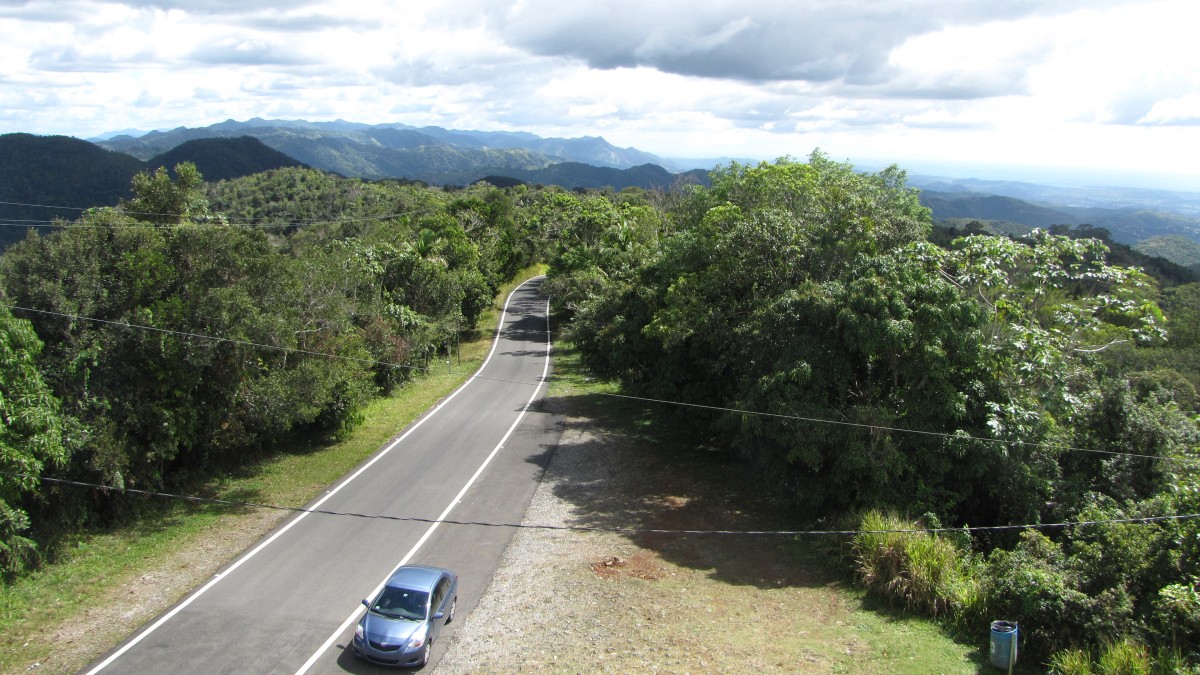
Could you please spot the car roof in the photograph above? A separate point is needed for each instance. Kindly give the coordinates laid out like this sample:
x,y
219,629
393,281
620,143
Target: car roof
x,y
417,576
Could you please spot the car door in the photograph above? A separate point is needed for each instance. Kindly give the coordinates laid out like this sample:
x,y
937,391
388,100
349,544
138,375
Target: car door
x,y
438,604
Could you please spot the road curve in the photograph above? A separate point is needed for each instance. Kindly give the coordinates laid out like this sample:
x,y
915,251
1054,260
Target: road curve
x,y
289,604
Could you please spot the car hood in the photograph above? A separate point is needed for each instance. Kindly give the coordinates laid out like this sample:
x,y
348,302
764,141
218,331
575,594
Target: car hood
x,y
395,630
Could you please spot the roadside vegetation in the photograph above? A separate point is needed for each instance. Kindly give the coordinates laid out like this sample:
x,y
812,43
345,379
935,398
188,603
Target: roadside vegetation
x,y
106,583
799,315
990,389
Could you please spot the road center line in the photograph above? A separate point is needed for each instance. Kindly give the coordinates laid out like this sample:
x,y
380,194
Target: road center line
x,y
221,575
429,532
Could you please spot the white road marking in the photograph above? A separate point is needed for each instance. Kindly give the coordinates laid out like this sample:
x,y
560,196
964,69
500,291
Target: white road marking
x,y
190,599
454,502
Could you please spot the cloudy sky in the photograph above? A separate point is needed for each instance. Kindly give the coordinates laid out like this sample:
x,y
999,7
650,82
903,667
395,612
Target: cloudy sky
x,y
1101,85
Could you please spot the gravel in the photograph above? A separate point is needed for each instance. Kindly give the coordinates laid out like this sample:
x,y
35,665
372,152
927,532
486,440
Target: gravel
x,y
560,583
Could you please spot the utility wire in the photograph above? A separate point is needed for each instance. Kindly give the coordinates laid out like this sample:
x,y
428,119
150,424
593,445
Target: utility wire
x,y
739,411
962,437
247,343
873,427
597,528
46,206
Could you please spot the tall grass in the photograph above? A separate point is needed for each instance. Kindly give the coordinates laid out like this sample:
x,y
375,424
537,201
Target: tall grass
x,y
916,570
1122,657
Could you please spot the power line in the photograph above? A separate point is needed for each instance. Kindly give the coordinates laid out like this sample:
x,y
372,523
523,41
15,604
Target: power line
x,y
46,206
247,343
597,528
740,411
874,427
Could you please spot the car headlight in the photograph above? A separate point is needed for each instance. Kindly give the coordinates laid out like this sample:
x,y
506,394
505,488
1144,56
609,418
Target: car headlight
x,y
417,639
358,632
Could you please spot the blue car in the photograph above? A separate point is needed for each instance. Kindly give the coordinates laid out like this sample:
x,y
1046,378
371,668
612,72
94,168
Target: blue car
x,y
407,616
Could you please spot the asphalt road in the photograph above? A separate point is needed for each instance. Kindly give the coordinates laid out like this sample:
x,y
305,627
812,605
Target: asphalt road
x,y
290,604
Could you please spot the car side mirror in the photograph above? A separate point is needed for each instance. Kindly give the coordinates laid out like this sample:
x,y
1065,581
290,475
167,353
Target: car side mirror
x,y
366,603
439,615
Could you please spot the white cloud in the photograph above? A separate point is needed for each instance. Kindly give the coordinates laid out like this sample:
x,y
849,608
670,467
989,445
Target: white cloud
x,y
1043,81
1180,110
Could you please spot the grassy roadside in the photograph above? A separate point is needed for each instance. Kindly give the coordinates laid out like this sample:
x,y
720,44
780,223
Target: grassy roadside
x,y
109,583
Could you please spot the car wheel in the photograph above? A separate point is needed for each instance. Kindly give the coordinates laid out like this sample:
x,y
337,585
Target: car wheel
x,y
453,605
425,652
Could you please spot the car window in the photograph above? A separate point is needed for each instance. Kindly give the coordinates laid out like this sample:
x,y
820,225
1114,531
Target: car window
x,y
401,603
439,593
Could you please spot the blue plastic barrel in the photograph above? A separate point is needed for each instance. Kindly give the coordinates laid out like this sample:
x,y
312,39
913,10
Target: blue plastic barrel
x,y
1004,644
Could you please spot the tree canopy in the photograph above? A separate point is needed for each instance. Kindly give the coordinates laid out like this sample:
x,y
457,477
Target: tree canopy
x,y
856,365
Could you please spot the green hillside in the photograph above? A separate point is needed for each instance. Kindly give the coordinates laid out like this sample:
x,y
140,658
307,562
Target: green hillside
x,y
60,171
222,159
47,177
1125,225
1178,249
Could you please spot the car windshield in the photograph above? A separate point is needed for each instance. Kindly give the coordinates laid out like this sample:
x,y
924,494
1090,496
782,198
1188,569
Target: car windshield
x,y
402,603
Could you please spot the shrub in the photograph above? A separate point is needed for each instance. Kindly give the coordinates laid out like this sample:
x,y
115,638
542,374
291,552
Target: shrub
x,y
1177,614
1035,585
1120,657
1029,585
916,570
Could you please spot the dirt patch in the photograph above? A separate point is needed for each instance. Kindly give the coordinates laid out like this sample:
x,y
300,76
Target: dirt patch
x,y
643,565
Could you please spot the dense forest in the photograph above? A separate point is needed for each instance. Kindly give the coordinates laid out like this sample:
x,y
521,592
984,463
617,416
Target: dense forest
x,y
957,399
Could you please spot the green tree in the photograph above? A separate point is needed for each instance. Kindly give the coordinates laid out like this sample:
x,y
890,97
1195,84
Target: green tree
x,y
31,439
157,398
806,290
157,199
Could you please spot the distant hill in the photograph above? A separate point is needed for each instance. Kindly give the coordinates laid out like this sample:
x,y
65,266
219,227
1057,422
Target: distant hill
x,y
71,174
58,171
592,150
574,175
1096,196
967,205
225,158
63,171
452,157
1178,249
39,172
1136,225
1010,215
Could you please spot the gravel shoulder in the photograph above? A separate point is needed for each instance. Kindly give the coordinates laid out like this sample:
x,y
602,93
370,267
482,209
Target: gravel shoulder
x,y
608,602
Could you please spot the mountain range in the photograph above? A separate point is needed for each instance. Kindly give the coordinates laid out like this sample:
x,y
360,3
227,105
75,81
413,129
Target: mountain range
x,y
429,154
74,173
